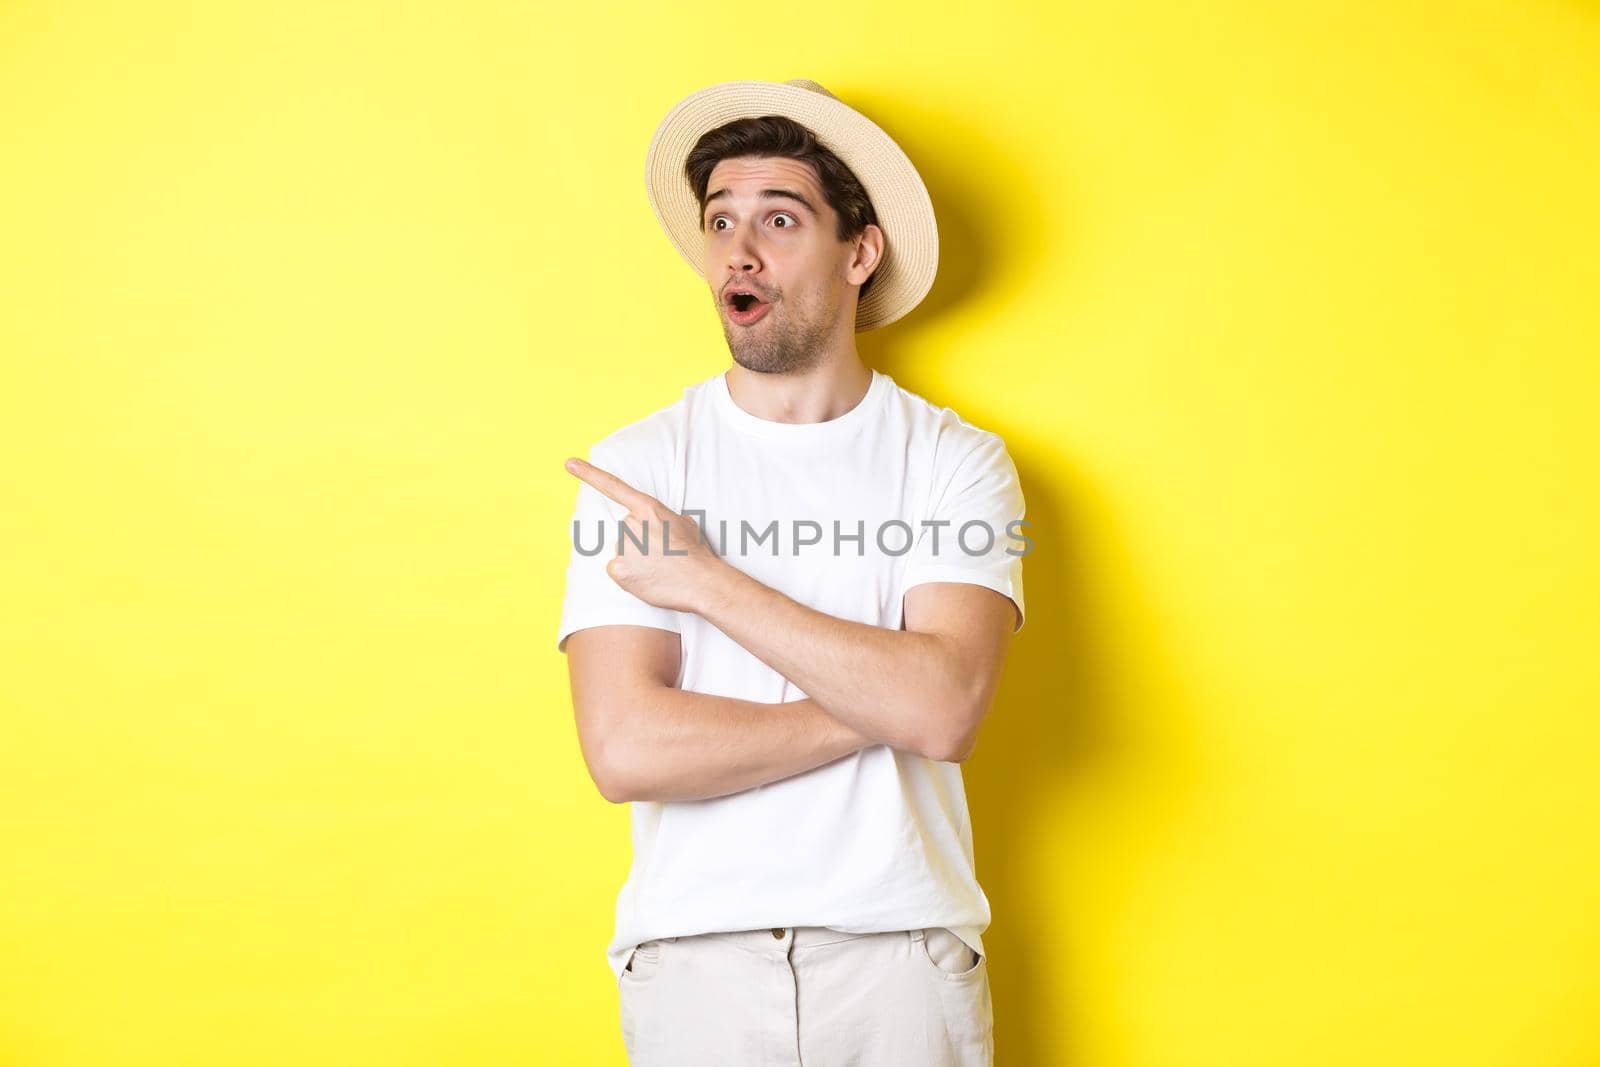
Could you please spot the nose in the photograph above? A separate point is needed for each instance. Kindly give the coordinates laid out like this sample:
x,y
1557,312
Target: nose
x,y
743,255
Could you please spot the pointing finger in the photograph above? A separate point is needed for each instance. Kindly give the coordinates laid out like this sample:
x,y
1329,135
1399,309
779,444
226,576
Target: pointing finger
x,y
610,485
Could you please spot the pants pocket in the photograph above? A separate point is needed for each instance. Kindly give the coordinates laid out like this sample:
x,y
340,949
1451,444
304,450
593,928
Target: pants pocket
x,y
644,960
959,979
636,991
947,955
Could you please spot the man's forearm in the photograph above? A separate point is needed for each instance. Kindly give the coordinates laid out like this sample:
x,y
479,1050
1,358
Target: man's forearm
x,y
681,745
898,687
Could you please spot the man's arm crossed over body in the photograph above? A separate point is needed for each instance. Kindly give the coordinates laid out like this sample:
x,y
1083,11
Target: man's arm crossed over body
x,y
923,689
645,739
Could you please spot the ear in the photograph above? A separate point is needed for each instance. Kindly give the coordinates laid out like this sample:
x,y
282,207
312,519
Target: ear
x,y
868,252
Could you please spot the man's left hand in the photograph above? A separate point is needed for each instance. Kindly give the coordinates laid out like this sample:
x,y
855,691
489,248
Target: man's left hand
x,y
676,568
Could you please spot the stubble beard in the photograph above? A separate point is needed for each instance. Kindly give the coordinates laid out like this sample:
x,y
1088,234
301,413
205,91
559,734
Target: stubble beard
x,y
771,347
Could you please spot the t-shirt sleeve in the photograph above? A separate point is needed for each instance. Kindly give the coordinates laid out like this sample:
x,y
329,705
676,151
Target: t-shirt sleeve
x,y
592,597
981,540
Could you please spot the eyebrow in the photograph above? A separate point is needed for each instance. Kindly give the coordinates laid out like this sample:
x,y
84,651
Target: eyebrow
x,y
765,194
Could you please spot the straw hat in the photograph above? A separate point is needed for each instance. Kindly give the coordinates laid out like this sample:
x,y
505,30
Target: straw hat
x,y
900,200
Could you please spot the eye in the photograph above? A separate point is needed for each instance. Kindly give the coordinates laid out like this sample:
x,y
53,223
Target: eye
x,y
776,215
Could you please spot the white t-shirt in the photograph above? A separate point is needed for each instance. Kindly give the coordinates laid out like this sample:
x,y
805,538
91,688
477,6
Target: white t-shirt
x,y
880,839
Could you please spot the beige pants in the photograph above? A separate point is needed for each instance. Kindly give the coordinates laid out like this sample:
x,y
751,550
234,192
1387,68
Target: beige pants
x,y
807,996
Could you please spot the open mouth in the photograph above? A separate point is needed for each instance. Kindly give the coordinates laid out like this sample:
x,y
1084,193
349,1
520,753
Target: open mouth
x,y
745,307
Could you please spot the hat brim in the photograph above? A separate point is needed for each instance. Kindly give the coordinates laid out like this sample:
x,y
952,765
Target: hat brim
x,y
899,197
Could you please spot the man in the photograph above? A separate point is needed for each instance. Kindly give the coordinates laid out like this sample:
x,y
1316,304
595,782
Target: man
x,y
783,641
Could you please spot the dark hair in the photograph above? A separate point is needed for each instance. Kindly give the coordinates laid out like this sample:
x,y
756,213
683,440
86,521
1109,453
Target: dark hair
x,y
778,135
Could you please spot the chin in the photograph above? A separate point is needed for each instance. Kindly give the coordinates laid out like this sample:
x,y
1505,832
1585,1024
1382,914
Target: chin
x,y
749,363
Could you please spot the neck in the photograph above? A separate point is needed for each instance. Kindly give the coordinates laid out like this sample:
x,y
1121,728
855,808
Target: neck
x,y
819,394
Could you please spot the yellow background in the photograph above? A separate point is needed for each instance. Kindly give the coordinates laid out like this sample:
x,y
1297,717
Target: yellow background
x,y
1287,315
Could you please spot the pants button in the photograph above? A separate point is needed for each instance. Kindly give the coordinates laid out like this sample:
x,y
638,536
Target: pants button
x,y
778,932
